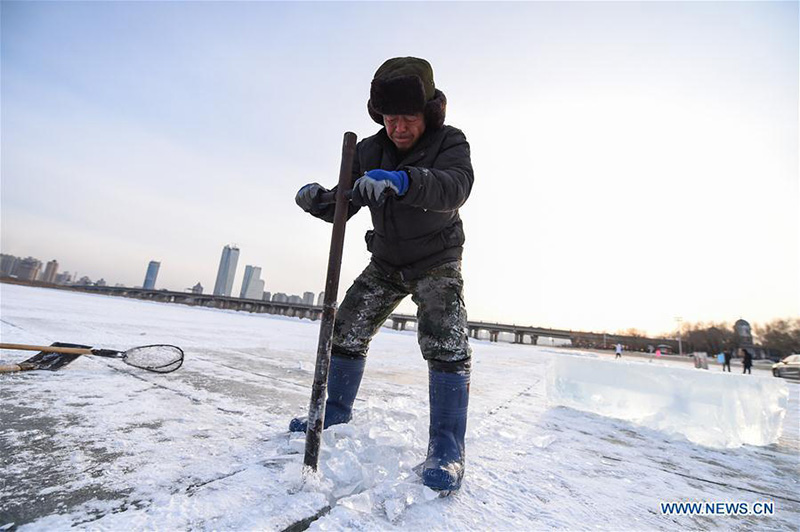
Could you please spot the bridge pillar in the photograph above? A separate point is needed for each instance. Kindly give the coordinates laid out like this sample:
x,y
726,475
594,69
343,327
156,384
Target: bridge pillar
x,y
534,339
493,336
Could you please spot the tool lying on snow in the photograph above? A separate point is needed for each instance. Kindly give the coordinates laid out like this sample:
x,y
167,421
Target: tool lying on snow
x,y
157,358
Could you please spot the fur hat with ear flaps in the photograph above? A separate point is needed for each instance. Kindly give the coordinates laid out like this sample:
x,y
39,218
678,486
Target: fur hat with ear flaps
x,y
404,86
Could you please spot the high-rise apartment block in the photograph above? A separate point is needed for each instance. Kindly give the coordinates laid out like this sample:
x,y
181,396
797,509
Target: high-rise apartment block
x,y
151,275
321,299
9,265
50,272
252,285
227,270
308,298
29,269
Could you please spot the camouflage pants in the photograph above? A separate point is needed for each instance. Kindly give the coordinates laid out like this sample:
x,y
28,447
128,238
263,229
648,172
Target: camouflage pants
x,y
441,316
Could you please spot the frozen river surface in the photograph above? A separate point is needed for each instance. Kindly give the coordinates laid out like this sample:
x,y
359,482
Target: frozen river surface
x,y
102,446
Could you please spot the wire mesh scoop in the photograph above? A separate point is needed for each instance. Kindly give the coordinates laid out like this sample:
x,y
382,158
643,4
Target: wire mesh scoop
x,y
161,358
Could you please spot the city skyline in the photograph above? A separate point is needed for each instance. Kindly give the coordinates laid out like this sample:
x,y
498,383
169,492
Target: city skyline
x,y
252,274
634,161
252,286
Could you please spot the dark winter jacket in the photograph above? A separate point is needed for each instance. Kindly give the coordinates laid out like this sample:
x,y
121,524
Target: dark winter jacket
x,y
422,229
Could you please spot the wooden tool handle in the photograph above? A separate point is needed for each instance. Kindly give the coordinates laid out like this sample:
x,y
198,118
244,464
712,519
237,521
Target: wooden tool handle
x,y
316,409
22,366
48,349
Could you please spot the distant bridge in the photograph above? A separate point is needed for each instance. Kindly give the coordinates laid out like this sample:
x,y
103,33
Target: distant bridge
x,y
399,321
523,332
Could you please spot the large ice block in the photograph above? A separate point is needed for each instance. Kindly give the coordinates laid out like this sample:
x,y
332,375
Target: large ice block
x,y
715,409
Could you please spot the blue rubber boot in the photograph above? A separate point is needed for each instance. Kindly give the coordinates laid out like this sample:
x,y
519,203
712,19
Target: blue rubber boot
x,y
344,378
449,396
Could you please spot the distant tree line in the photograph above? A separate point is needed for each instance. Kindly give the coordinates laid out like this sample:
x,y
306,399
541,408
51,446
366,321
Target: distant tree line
x,y
782,336
779,337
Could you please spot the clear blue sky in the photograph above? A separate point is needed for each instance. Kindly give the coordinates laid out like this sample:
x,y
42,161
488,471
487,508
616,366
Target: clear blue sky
x,y
634,161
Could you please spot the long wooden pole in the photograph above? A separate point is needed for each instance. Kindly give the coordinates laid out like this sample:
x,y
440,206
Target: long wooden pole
x,y
48,349
316,410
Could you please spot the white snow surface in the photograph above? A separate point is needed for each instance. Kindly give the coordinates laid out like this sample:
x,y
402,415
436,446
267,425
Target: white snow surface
x,y
102,446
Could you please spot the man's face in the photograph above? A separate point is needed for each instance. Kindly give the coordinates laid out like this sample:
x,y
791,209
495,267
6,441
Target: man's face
x,y
404,130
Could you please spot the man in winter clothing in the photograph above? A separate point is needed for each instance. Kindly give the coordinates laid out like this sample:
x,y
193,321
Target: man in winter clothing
x,y
413,175
747,361
728,354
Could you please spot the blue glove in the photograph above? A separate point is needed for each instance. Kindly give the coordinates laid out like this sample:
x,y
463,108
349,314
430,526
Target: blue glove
x,y
373,187
308,196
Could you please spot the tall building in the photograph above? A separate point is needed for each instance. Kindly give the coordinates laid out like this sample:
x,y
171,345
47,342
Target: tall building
x,y
29,269
50,272
9,264
227,270
252,285
308,298
267,296
150,276
321,299
64,278
197,289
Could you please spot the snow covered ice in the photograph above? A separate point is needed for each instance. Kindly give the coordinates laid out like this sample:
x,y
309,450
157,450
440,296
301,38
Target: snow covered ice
x,y
708,408
103,446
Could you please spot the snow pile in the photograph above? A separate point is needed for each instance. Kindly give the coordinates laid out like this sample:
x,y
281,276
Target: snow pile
x,y
714,409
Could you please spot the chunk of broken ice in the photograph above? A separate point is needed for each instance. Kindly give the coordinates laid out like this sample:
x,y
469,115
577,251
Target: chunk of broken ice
x,y
720,410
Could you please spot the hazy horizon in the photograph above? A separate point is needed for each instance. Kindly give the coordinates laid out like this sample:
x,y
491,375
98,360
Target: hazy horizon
x,y
622,329
634,161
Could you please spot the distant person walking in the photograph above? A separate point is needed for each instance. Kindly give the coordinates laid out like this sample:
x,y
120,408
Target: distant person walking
x,y
727,360
747,362
618,351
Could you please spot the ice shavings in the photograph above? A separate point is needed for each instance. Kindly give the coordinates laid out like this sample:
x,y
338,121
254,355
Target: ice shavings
x,y
714,409
366,466
543,441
